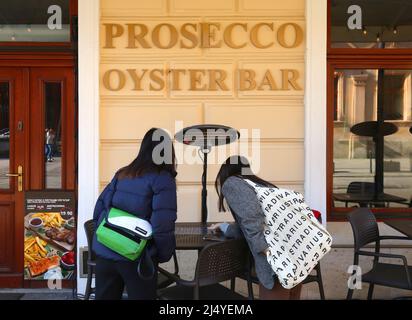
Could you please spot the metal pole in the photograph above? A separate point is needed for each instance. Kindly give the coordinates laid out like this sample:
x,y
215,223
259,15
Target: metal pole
x,y
379,139
204,188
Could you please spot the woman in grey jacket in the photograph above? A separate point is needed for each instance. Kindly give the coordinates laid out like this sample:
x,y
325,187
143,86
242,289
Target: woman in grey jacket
x,y
249,217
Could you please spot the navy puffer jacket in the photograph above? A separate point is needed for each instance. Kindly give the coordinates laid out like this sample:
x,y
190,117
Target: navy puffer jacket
x,y
152,197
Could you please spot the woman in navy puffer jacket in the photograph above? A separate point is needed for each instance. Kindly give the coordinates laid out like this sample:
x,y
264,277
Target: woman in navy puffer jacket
x,y
147,189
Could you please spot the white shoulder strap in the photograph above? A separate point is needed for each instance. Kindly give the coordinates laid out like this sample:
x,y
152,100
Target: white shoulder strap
x,y
251,183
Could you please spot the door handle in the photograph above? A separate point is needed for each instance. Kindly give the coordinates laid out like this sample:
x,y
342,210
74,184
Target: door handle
x,y
19,176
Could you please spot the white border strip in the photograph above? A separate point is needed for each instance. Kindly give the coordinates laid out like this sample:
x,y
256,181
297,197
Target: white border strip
x,y
315,105
89,15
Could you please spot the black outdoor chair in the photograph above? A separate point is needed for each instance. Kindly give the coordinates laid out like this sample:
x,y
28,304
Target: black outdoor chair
x,y
217,262
365,231
317,277
361,187
89,227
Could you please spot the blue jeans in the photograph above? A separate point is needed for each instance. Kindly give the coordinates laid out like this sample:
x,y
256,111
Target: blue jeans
x,y
49,152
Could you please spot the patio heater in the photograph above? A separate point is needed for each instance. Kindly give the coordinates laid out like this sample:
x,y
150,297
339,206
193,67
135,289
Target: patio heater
x,y
377,130
205,137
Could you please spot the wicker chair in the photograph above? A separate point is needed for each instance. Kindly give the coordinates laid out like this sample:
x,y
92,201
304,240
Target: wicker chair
x,y
89,228
313,277
217,262
365,231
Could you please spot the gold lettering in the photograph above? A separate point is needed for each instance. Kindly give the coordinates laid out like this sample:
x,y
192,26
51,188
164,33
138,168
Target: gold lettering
x,y
189,36
196,80
176,78
140,37
286,79
208,35
217,79
113,30
247,80
137,80
254,35
268,81
227,35
157,78
281,35
172,38
108,83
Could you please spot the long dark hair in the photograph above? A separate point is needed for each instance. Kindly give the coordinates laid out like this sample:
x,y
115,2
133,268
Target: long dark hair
x,y
235,166
156,154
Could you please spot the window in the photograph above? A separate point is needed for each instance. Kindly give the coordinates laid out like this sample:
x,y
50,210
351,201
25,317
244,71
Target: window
x,y
35,21
397,95
4,134
370,109
366,24
53,135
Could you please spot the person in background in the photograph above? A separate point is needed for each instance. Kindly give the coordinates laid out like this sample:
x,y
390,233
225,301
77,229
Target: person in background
x,y
146,188
50,137
247,212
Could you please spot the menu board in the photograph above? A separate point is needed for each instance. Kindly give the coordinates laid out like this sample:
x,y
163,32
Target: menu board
x,y
49,235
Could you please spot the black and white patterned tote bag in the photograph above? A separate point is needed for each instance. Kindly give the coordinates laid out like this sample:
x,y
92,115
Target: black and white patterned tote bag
x,y
296,239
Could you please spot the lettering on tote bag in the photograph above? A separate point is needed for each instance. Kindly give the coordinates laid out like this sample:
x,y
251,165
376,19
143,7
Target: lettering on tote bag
x,y
297,240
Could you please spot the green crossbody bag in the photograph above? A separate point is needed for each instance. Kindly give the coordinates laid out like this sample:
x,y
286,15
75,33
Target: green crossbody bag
x,y
124,233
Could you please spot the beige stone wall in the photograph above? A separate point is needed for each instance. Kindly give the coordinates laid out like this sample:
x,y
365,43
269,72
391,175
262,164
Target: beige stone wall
x,y
126,114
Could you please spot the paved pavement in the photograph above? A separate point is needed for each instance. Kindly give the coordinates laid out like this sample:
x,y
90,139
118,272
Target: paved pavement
x,y
35,294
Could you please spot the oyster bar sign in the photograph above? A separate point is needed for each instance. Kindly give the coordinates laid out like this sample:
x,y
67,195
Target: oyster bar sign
x,y
208,36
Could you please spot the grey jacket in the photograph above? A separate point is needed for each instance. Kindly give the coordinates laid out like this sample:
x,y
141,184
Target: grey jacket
x,y
242,199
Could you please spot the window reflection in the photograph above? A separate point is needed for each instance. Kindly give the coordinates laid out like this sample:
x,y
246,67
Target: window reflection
x,y
4,135
34,21
53,135
354,156
385,24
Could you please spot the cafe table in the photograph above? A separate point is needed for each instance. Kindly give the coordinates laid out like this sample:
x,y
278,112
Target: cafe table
x,y
367,198
403,226
194,235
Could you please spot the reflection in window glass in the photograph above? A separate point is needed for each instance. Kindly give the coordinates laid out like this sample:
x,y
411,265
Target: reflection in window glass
x,y
382,24
355,102
34,21
53,135
4,135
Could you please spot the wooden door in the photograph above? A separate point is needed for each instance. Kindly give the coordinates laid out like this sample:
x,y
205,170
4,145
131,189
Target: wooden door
x,y
52,107
32,99
13,115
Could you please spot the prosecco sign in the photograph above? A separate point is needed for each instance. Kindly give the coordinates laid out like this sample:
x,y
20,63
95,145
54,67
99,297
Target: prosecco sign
x,y
206,36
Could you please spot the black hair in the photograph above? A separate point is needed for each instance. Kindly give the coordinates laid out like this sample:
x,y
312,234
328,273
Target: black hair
x,y
235,166
156,154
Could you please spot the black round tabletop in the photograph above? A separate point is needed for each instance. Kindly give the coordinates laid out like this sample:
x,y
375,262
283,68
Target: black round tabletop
x,y
207,135
370,129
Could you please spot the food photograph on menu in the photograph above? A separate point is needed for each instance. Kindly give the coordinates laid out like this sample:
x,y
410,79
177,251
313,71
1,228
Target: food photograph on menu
x,y
50,236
